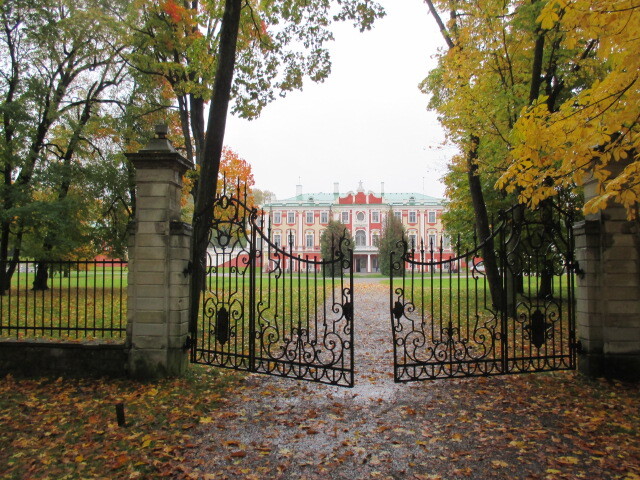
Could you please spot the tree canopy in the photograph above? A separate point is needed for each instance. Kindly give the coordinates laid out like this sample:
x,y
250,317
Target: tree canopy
x,y
596,127
279,44
83,82
61,69
536,94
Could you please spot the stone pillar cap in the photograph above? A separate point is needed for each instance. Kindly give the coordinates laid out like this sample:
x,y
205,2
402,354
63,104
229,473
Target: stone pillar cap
x,y
160,143
160,153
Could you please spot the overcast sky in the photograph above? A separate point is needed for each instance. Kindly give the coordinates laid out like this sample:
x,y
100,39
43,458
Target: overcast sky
x,y
367,122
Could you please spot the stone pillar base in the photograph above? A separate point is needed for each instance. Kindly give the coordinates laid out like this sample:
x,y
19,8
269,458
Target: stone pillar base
x,y
618,367
147,364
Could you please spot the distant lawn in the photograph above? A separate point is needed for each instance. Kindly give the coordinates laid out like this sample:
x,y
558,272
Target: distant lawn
x,y
94,278
79,304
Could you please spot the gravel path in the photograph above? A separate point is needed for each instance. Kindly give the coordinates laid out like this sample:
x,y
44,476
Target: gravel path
x,y
501,427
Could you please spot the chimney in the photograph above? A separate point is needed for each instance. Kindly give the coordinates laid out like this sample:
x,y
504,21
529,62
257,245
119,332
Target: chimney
x,y
336,187
381,188
298,190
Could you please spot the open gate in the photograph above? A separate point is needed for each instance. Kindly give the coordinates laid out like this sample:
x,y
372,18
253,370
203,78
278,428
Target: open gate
x,y
272,310
456,317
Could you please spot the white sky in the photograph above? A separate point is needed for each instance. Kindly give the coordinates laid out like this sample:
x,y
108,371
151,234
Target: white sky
x,y
367,122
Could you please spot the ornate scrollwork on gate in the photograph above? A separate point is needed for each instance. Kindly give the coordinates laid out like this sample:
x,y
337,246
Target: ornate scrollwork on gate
x,y
446,323
305,318
269,309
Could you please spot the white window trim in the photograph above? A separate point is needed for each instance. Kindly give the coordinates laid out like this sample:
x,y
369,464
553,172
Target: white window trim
x,y
435,240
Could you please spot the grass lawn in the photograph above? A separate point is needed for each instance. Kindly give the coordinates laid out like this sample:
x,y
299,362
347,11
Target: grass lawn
x,y
82,304
98,278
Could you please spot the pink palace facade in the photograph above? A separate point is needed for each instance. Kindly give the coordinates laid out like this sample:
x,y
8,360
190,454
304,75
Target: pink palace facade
x,y
300,220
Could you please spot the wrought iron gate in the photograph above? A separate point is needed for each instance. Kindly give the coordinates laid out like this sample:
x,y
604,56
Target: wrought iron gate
x,y
448,321
272,310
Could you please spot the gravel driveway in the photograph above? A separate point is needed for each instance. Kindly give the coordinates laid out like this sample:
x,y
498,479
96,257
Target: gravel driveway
x,y
525,426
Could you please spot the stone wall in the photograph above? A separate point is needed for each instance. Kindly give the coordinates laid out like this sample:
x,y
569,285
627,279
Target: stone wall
x,y
35,358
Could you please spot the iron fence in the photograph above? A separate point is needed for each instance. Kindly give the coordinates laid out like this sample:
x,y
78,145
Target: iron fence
x,y
83,299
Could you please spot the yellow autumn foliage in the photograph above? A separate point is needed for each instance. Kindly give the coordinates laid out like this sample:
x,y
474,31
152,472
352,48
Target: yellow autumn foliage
x,y
596,129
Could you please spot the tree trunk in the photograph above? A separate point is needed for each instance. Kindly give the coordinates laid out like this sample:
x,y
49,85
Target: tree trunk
x,y
8,266
513,268
183,110
4,257
197,126
42,276
205,195
482,225
546,270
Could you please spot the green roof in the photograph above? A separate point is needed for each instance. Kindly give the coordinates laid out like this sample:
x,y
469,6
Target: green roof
x,y
410,198
308,199
329,199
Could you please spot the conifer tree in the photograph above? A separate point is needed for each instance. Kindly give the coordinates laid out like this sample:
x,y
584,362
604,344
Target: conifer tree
x,y
393,234
335,238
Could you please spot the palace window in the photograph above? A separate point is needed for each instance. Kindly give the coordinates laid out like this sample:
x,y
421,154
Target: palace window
x,y
324,217
375,217
412,217
360,216
309,241
413,241
398,215
277,217
446,242
291,217
291,239
309,217
361,238
432,217
433,243
345,217
376,240
277,239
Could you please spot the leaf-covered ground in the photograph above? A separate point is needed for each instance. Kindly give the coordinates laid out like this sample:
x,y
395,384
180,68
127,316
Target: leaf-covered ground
x,y
218,424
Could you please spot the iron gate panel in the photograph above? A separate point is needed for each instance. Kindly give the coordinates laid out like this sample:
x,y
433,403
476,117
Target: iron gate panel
x,y
445,322
267,310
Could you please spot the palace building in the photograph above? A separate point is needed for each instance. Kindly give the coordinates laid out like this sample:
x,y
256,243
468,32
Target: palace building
x,y
297,223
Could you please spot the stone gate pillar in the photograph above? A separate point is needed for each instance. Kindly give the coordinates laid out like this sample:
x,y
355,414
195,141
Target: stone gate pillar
x,y
159,247
608,292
